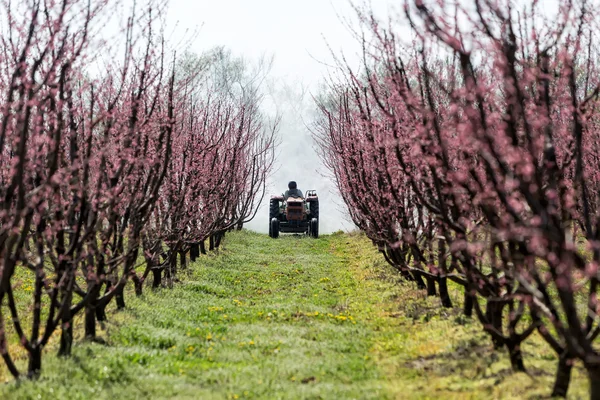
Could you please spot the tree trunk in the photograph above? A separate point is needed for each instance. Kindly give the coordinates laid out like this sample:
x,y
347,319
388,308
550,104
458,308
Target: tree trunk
x,y
202,247
419,280
516,357
594,379
563,376
101,309
444,295
101,313
182,260
156,278
431,286
442,280
66,339
120,298
90,321
66,327
35,363
469,304
218,239
138,284
194,252
211,243
171,269
493,313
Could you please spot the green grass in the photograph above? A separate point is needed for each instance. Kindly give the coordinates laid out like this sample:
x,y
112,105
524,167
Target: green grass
x,y
292,318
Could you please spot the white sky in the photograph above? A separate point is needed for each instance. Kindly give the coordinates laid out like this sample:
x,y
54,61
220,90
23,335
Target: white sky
x,y
295,32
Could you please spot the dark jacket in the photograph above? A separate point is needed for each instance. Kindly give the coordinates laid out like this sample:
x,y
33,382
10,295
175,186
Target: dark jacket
x,y
293,193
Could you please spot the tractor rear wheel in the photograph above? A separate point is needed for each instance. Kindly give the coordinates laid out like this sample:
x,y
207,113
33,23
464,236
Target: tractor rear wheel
x,y
273,213
314,209
314,228
274,209
274,228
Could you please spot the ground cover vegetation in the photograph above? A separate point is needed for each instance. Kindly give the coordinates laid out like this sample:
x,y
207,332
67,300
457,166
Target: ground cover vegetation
x,y
113,151
469,153
292,318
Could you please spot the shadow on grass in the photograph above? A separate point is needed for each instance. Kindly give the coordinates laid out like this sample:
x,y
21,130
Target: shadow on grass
x,y
473,359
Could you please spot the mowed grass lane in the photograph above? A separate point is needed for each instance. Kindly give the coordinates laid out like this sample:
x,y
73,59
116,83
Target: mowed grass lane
x,y
262,319
292,318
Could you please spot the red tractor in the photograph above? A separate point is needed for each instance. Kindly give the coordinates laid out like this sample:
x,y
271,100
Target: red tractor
x,y
294,215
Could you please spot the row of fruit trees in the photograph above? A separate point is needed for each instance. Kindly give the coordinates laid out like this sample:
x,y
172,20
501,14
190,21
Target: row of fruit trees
x,y
116,157
467,147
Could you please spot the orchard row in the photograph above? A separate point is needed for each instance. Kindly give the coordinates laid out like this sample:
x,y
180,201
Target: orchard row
x,y
113,151
471,154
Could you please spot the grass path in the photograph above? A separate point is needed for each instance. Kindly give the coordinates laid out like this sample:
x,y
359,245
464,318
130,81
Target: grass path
x,y
293,318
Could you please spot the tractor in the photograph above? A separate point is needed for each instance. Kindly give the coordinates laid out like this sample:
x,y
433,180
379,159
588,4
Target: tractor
x,y
294,215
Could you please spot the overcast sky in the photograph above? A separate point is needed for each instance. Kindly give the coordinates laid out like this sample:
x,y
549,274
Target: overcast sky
x,y
295,32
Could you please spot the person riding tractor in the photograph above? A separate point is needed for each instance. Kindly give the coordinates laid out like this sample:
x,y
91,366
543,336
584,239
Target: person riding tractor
x,y
292,191
294,213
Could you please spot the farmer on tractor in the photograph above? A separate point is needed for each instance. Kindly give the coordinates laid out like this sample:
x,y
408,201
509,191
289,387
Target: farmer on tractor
x,y
293,191
293,213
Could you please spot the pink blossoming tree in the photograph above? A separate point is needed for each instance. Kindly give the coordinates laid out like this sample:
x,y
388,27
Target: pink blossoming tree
x,y
486,123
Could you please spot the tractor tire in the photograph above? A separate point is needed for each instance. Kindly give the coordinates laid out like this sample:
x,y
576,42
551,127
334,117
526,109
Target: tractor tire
x,y
274,228
273,213
274,209
314,228
314,209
